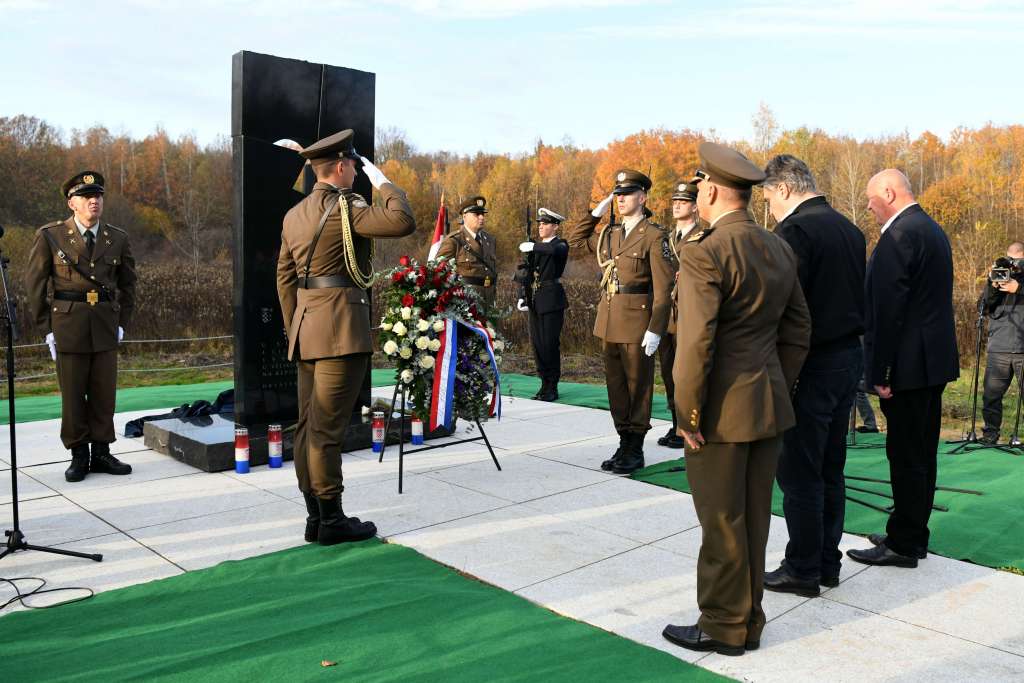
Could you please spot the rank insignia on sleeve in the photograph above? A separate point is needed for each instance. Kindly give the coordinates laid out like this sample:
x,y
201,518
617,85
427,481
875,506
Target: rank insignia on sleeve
x,y
359,203
666,251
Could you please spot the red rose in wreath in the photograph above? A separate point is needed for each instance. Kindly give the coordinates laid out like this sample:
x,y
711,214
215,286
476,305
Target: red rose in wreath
x,y
403,261
407,300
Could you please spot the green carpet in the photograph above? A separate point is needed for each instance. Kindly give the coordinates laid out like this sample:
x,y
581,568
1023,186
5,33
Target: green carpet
x,y
381,612
987,530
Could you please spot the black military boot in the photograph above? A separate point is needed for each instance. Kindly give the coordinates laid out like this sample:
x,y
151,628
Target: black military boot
x,y
103,461
540,392
632,458
79,464
549,392
608,464
335,527
671,439
312,517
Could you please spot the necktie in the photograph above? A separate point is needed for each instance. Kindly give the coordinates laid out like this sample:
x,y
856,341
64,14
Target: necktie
x,y
90,242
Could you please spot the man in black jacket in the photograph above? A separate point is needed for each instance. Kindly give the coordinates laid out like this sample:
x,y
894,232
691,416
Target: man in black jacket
x,y
910,354
548,258
1005,307
830,253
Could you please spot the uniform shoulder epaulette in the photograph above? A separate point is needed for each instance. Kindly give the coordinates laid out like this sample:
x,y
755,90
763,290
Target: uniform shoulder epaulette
x,y
699,235
358,201
53,224
114,227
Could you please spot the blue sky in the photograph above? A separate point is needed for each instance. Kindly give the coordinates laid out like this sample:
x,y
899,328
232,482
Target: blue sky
x,y
495,76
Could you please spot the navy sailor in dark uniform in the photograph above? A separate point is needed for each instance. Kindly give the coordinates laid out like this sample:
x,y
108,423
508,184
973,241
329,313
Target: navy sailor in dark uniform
x,y
547,258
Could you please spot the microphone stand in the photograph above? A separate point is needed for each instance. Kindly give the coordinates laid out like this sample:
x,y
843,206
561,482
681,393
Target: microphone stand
x,y
15,537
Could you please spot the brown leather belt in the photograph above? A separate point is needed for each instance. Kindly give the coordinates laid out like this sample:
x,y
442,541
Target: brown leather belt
x,y
325,282
634,289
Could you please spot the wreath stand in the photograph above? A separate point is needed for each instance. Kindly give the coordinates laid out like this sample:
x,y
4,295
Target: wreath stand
x,y
402,450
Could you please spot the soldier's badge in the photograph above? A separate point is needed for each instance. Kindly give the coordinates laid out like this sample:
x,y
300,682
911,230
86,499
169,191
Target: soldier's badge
x,y
88,179
699,235
480,202
620,177
666,251
359,203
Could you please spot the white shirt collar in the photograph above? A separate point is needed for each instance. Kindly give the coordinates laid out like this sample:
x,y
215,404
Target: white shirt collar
x,y
472,234
797,206
549,239
95,230
895,216
724,215
631,222
682,232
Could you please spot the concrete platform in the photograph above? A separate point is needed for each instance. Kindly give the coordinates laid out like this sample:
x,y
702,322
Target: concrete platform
x,y
550,527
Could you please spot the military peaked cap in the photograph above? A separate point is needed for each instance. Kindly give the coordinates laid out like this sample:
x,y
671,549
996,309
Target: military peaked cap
x,y
725,166
686,191
549,216
333,147
628,181
86,182
474,205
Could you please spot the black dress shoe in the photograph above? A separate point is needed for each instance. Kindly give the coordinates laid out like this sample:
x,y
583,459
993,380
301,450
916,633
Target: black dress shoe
x,y
879,539
882,556
671,439
866,430
782,581
103,461
549,396
692,638
829,581
79,464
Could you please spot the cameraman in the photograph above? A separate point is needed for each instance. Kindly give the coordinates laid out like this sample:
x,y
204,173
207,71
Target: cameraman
x,y
1005,306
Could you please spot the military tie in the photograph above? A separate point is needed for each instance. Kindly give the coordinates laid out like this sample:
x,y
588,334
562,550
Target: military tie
x,y
90,242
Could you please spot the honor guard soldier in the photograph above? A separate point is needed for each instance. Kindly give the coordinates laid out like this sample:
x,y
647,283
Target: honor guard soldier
x,y
742,333
324,273
546,302
474,251
684,211
637,267
91,269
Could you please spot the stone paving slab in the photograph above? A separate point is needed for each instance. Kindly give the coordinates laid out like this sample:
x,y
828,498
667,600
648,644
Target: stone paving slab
x,y
550,526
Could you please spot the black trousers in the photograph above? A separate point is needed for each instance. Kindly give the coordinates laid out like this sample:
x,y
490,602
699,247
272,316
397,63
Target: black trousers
x,y
667,358
546,338
1000,369
810,470
911,446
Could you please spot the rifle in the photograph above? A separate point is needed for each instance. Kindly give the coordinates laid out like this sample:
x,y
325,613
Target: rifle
x,y
524,271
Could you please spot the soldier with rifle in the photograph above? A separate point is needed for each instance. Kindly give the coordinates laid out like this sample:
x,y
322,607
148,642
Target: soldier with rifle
x,y
543,297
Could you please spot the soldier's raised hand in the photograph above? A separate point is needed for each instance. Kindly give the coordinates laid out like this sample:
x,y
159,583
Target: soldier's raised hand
x,y
521,305
377,178
602,207
120,334
526,247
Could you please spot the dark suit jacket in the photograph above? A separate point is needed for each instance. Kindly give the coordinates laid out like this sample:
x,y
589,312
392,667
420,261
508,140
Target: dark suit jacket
x,y
830,253
910,341
548,265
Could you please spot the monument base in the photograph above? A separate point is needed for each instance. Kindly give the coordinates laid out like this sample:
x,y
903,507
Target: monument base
x,y
208,443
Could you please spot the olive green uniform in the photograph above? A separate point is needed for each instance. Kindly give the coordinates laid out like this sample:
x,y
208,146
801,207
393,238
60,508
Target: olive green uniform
x,y
84,330
475,261
637,286
329,326
742,332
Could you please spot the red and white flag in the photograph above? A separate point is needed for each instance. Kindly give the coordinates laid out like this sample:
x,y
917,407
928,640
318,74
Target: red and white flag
x,y
442,219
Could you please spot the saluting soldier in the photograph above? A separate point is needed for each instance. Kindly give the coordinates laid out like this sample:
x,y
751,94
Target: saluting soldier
x,y
684,211
473,250
546,303
92,272
742,334
637,267
323,274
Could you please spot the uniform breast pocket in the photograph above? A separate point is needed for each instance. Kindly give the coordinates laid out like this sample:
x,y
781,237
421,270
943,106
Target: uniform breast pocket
x,y
62,270
636,261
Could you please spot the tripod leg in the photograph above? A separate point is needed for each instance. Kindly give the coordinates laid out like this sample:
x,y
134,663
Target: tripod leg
x,y
1015,438
387,425
487,441
96,557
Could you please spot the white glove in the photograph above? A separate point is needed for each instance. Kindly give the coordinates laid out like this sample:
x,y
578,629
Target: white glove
x,y
526,247
650,342
521,305
52,343
373,173
602,208
120,334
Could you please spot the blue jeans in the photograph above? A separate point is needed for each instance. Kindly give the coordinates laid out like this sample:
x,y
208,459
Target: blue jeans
x,y
810,470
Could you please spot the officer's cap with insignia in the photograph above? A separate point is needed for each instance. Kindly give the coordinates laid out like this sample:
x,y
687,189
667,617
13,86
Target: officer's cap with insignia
x,y
474,205
687,192
84,183
725,166
628,181
331,148
549,216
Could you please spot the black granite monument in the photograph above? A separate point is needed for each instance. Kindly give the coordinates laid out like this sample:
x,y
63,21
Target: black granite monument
x,y
272,100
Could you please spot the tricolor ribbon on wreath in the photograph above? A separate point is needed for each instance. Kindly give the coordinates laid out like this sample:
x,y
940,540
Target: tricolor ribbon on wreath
x,y
443,391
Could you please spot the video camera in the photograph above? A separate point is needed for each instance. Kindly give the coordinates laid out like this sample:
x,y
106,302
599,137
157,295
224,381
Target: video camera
x,y
1006,269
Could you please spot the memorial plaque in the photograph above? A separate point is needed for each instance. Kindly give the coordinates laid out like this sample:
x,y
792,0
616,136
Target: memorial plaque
x,y
275,99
